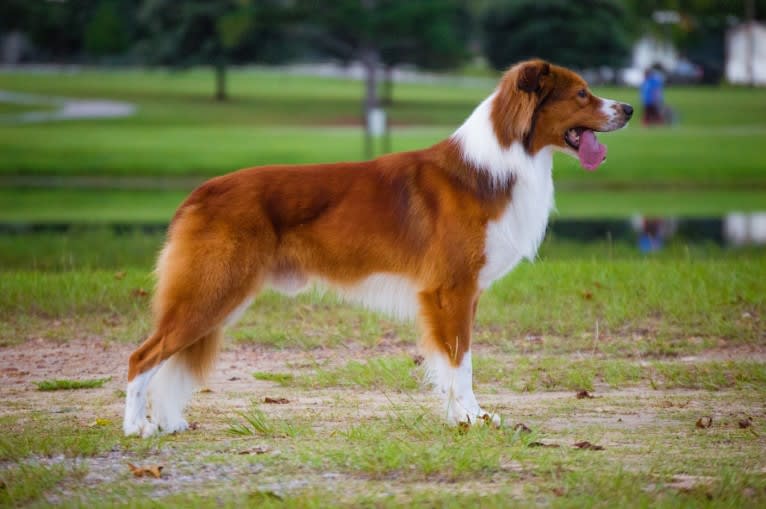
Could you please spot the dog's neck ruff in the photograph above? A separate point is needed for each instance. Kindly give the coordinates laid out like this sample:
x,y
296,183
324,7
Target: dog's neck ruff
x,y
518,232
481,149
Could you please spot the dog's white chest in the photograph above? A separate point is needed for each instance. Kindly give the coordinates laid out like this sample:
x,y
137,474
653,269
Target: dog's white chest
x,y
518,232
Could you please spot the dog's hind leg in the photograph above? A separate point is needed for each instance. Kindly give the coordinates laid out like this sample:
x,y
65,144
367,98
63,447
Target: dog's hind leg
x,y
198,290
172,386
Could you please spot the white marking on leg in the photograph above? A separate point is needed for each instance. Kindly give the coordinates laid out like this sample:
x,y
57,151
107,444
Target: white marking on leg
x,y
135,422
169,391
454,385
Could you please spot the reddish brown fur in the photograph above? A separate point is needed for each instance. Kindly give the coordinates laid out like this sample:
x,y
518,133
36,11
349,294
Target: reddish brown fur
x,y
421,215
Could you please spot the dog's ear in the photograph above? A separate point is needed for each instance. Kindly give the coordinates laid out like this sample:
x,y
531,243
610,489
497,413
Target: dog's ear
x,y
520,91
531,76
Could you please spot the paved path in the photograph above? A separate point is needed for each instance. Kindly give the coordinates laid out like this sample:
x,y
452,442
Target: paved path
x,y
63,108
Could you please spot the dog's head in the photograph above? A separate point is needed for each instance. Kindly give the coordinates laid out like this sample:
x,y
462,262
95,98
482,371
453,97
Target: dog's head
x,y
544,105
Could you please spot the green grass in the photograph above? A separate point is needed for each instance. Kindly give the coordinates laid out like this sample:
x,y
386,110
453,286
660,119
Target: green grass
x,y
255,422
670,303
179,130
382,373
24,483
157,206
94,247
280,378
540,372
67,385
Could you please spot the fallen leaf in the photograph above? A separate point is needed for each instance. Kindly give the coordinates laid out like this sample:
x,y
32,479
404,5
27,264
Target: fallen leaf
x,y
139,292
152,470
542,444
559,492
522,428
261,449
276,401
119,275
100,421
205,390
587,295
745,423
418,359
584,394
233,379
587,445
263,495
704,422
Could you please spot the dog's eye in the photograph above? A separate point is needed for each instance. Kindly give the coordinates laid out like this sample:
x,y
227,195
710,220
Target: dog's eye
x,y
582,94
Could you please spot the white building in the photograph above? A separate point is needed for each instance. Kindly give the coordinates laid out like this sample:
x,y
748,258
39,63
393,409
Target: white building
x,y
746,54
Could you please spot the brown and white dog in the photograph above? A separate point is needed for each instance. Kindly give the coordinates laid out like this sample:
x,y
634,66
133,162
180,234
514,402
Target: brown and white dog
x,y
417,234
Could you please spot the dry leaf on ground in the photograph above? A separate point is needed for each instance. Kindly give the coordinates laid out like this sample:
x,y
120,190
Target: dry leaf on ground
x,y
542,444
745,423
139,292
587,445
704,422
583,394
261,449
522,428
276,401
152,470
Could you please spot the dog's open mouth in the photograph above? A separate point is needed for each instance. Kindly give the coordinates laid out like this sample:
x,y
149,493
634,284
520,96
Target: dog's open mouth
x,y
583,141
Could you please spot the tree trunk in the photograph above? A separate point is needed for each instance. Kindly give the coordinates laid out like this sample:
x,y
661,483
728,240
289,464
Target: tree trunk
x,y
370,64
220,81
388,86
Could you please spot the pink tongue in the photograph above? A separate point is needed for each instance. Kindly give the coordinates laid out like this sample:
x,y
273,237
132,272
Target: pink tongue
x,y
591,152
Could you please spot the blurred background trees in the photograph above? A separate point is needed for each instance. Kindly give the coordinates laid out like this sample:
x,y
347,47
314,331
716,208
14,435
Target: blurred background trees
x,y
378,34
575,34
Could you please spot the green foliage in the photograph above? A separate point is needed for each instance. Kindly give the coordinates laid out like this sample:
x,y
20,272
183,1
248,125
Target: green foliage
x,y
205,32
66,385
108,31
581,35
255,422
429,33
280,378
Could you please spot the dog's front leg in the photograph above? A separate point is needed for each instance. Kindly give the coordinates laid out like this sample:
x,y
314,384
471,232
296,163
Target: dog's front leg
x,y
447,319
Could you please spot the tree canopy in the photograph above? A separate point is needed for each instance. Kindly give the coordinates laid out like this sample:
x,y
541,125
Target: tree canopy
x,y
584,34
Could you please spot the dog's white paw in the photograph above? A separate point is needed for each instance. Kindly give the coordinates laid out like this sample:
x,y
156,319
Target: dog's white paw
x,y
480,418
174,426
149,429
139,427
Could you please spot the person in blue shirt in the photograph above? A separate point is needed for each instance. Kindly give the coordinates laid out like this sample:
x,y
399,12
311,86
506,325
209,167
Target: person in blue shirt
x,y
651,97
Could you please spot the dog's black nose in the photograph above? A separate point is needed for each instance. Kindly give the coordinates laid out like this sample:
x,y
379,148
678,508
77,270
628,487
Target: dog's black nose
x,y
627,109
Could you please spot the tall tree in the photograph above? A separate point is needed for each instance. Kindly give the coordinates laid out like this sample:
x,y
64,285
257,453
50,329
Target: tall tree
x,y
584,34
205,32
384,33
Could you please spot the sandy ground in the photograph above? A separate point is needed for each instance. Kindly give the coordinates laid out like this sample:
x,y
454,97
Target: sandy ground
x,y
233,388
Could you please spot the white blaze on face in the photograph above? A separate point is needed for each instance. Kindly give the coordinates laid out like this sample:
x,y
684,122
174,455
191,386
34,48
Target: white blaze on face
x,y
612,110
